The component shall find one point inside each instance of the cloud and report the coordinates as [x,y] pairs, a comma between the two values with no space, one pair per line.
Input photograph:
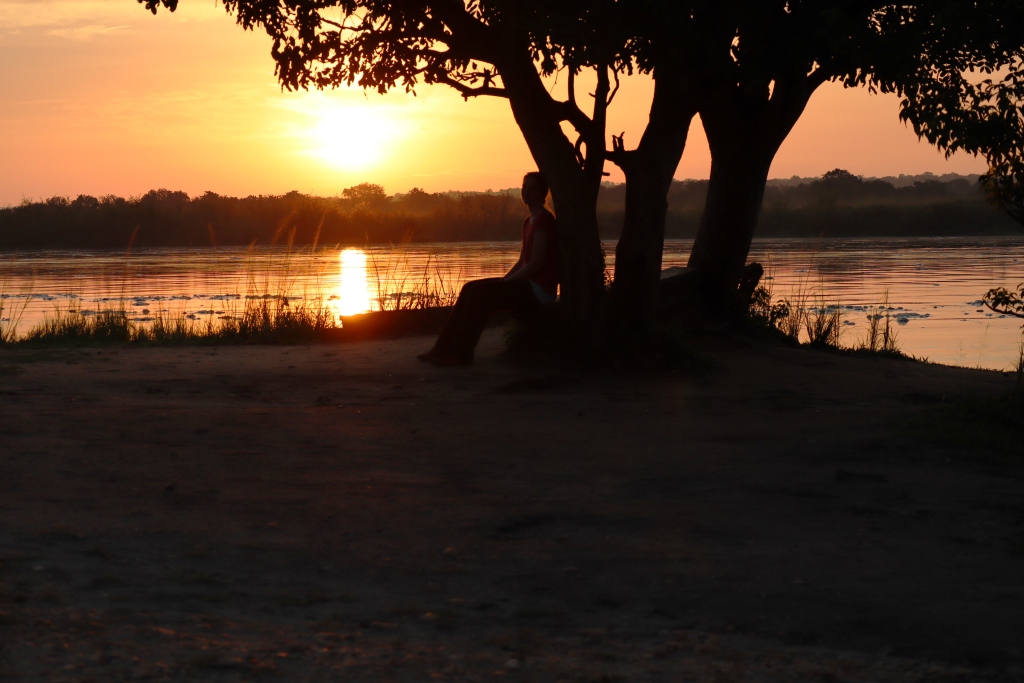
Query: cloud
[84,32]
[17,16]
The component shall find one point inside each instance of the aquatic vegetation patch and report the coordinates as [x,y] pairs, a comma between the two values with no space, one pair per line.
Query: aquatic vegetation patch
[259,321]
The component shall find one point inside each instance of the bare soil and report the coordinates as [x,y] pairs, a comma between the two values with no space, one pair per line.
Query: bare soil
[344,512]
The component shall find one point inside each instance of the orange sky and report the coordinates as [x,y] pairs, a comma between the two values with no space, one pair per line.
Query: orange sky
[99,97]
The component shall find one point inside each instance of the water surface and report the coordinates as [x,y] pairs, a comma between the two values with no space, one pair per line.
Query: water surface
[934,285]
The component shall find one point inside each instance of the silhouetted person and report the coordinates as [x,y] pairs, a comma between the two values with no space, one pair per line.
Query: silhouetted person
[531,284]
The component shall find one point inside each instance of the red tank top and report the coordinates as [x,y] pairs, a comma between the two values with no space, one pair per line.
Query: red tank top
[547,277]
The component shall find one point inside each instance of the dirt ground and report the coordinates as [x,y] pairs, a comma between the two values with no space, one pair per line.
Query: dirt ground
[344,512]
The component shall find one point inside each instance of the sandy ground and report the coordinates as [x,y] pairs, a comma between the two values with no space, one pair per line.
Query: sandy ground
[344,512]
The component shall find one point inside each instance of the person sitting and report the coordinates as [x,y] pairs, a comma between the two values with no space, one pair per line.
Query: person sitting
[531,284]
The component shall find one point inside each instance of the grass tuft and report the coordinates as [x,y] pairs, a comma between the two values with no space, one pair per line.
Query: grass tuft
[10,316]
[262,320]
[823,325]
[881,336]
[70,325]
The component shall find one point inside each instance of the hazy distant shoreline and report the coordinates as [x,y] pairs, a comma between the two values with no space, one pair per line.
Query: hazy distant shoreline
[844,206]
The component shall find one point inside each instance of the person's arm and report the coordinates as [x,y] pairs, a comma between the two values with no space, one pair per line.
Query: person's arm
[524,272]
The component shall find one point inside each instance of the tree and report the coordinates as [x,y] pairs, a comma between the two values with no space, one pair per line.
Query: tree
[750,67]
[920,50]
[649,170]
[366,195]
[967,93]
[501,48]
[1005,189]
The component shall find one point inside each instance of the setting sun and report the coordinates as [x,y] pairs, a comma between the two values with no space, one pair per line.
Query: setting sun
[352,137]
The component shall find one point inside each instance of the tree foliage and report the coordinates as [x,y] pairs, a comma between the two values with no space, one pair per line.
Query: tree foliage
[1003,301]
[383,45]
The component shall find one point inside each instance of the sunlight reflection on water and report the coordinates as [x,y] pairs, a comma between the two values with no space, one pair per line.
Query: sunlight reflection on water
[934,284]
[353,287]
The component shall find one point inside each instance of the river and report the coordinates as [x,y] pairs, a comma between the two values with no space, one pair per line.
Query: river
[933,285]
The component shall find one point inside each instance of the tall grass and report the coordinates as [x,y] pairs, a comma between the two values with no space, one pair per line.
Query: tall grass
[880,336]
[820,322]
[807,315]
[10,315]
[823,324]
[262,320]
[69,324]
[793,322]
[266,316]
[273,310]
[433,287]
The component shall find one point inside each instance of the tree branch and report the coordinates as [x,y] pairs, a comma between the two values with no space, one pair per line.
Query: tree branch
[568,111]
[817,77]
[618,154]
[468,91]
[611,96]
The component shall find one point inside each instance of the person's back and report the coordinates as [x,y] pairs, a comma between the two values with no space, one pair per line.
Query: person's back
[545,279]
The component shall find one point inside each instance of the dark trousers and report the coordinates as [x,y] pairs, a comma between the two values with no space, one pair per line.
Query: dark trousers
[477,300]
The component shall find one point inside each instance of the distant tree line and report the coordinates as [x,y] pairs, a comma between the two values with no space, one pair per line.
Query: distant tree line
[837,205]
[162,218]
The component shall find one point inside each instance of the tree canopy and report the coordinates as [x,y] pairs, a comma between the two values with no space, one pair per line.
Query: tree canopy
[752,65]
[747,66]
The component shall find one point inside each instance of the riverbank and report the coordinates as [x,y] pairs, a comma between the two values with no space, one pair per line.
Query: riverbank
[303,512]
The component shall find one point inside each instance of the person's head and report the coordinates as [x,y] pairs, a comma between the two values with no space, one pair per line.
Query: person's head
[535,188]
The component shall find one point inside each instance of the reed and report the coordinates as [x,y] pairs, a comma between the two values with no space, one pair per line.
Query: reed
[792,322]
[267,314]
[880,336]
[434,287]
[10,316]
[68,324]
[263,320]
[823,324]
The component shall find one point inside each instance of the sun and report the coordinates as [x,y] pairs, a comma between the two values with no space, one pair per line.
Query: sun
[353,138]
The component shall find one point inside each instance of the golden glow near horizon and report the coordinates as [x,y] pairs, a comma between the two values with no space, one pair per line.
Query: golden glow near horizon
[353,290]
[350,136]
[101,98]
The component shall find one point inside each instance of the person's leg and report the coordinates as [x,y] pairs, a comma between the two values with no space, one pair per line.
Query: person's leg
[444,340]
[526,305]
[486,298]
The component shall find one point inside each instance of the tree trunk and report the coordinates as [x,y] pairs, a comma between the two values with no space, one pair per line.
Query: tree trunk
[739,173]
[744,133]
[649,170]
[574,191]
[581,267]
